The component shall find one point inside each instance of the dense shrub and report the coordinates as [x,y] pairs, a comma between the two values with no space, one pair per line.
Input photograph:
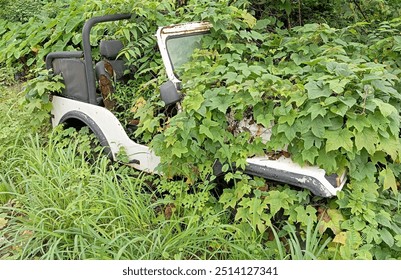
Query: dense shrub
[333,95]
[20,10]
[336,13]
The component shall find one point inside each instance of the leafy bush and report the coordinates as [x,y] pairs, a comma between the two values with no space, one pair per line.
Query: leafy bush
[338,13]
[19,10]
[332,95]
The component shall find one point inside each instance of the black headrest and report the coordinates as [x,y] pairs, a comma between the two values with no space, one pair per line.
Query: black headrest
[110,49]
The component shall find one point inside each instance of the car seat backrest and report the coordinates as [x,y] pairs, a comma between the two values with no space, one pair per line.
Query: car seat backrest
[74,77]
[109,50]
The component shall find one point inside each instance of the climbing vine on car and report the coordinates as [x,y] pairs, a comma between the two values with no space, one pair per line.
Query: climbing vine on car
[331,97]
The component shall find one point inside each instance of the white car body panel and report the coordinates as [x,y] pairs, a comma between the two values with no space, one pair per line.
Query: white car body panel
[175,30]
[300,175]
[112,129]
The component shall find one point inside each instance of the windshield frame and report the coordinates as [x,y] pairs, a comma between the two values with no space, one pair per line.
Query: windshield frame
[174,31]
[170,52]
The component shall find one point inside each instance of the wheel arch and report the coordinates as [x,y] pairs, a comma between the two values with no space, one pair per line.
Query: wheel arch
[78,119]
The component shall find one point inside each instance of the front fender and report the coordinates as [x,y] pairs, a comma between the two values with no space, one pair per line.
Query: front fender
[107,128]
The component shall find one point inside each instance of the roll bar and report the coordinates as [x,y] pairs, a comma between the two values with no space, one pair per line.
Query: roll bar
[90,73]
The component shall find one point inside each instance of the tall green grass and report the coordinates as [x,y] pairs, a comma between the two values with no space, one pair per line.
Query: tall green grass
[60,200]
[72,209]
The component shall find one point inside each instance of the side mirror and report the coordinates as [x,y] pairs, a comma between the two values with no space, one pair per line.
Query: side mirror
[169,94]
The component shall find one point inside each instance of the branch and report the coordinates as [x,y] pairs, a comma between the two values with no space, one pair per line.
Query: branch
[360,9]
[300,12]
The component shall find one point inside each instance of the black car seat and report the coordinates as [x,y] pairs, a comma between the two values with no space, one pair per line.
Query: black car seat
[71,67]
[109,70]
[109,51]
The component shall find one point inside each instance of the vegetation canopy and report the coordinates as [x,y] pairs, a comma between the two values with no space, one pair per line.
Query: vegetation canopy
[327,79]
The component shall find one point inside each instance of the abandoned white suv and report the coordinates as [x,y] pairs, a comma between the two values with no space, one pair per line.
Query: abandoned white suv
[84,102]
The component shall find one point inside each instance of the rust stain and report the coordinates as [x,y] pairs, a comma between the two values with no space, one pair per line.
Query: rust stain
[184,28]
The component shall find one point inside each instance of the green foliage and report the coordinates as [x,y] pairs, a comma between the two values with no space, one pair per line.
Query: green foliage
[308,249]
[20,10]
[331,93]
[64,207]
[37,99]
[338,13]
[324,90]
[25,45]
[13,118]
[333,96]
[7,76]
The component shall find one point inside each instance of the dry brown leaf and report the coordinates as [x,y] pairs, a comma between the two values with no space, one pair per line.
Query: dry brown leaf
[168,211]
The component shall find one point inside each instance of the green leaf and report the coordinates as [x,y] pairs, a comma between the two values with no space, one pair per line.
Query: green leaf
[390,146]
[384,86]
[249,19]
[340,109]
[377,120]
[372,234]
[242,189]
[359,225]
[256,208]
[358,121]
[230,77]
[327,161]
[310,154]
[332,219]
[385,108]
[288,118]
[316,110]
[222,103]
[389,180]
[367,139]
[178,149]
[340,69]
[384,218]
[263,115]
[349,101]
[360,169]
[206,131]
[193,102]
[338,85]
[318,128]
[277,200]
[298,99]
[305,215]
[317,89]
[310,140]
[337,139]
[228,199]
[387,237]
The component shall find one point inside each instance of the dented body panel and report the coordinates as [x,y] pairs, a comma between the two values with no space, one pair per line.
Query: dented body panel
[284,170]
